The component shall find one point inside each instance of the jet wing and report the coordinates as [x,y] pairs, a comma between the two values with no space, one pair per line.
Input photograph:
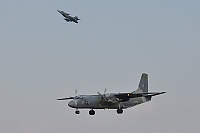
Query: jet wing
[64,13]
[67,19]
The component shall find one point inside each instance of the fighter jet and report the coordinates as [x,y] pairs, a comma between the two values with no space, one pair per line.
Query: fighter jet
[69,18]
[118,101]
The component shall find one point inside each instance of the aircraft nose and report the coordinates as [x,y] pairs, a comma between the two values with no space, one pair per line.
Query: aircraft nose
[71,104]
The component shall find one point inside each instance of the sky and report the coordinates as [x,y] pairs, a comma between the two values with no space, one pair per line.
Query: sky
[43,58]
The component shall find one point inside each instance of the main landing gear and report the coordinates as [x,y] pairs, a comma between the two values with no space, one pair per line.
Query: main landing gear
[91,112]
[119,111]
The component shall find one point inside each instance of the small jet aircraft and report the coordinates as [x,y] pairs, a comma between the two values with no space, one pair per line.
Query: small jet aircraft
[69,18]
[117,101]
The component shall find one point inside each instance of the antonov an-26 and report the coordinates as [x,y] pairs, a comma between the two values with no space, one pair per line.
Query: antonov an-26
[118,101]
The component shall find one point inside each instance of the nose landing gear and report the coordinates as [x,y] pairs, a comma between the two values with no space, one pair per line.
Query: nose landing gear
[77,112]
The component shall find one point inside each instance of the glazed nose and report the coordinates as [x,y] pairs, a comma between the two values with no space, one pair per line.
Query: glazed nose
[71,104]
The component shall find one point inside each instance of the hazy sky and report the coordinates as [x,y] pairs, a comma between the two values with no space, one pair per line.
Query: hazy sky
[43,58]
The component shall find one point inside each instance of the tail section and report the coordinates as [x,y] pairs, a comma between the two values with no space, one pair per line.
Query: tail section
[142,90]
[76,18]
[143,85]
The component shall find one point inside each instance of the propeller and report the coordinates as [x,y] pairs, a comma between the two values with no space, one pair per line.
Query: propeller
[102,96]
[107,98]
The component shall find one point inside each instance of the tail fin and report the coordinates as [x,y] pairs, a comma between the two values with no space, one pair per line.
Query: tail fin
[143,85]
[76,18]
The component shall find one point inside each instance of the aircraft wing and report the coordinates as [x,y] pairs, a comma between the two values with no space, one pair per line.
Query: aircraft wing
[126,96]
[64,13]
[66,98]
[67,19]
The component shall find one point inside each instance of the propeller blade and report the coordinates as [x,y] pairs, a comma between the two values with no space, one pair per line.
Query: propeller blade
[75,101]
[76,92]
[100,94]
[103,96]
[105,91]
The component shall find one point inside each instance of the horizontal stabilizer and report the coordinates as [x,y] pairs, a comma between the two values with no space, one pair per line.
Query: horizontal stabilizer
[126,96]
[156,93]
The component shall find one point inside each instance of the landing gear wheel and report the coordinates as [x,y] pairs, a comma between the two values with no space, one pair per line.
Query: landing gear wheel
[91,112]
[119,111]
[77,112]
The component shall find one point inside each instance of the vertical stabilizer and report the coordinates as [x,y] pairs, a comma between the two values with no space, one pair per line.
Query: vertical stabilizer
[143,85]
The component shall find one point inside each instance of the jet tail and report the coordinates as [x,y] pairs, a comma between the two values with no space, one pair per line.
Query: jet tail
[143,84]
[76,18]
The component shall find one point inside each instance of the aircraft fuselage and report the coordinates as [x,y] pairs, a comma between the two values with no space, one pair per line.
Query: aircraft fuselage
[69,18]
[96,102]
